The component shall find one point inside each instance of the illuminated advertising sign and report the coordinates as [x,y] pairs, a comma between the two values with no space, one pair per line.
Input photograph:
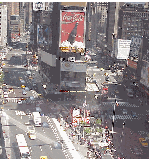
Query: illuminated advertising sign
[72,31]
[135,45]
[44,36]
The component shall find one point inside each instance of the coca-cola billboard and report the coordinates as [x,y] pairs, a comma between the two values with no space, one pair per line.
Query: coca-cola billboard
[72,31]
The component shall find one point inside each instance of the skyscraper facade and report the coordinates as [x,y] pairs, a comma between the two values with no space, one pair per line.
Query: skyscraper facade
[112,24]
[3,25]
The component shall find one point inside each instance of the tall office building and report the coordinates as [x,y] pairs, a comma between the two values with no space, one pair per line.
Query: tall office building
[102,8]
[3,25]
[60,42]
[112,24]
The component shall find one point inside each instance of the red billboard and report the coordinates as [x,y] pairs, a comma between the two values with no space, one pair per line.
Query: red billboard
[72,31]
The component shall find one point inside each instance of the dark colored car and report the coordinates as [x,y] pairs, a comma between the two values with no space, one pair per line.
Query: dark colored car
[133,114]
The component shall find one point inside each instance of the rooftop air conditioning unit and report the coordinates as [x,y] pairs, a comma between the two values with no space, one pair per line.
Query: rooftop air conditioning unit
[71,59]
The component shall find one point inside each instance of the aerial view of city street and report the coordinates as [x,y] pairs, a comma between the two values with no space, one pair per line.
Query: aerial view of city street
[74,80]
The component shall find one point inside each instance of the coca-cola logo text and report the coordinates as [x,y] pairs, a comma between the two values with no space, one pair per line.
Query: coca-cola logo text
[73,18]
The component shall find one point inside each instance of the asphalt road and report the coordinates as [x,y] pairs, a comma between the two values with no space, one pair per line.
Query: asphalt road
[44,135]
[136,126]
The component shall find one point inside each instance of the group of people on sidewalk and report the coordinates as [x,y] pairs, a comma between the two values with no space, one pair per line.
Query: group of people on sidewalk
[92,150]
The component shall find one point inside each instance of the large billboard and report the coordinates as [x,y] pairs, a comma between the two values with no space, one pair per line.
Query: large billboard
[72,31]
[136,42]
[44,36]
[123,49]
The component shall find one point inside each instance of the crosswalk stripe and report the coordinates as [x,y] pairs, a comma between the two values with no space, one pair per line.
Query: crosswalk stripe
[126,104]
[123,117]
[20,113]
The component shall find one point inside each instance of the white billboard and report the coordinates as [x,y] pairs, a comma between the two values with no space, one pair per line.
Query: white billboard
[123,49]
[38,6]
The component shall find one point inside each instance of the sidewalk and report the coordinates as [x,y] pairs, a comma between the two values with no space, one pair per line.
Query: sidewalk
[74,145]
[76,150]
[5,140]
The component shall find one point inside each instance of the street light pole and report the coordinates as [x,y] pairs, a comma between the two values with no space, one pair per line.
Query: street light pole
[113,116]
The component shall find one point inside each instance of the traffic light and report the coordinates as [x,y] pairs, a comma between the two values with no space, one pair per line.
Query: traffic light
[112,123]
[124,123]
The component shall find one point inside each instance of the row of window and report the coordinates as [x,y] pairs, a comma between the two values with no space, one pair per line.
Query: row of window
[135,14]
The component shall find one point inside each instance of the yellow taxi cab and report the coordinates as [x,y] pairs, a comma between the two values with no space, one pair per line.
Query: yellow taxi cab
[23,86]
[106,74]
[22,98]
[143,142]
[43,157]
[94,74]
[40,95]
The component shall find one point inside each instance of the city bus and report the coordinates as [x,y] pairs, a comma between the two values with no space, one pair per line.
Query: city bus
[23,148]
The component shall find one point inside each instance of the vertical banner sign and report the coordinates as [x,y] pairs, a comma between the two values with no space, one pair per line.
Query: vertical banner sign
[135,45]
[72,31]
